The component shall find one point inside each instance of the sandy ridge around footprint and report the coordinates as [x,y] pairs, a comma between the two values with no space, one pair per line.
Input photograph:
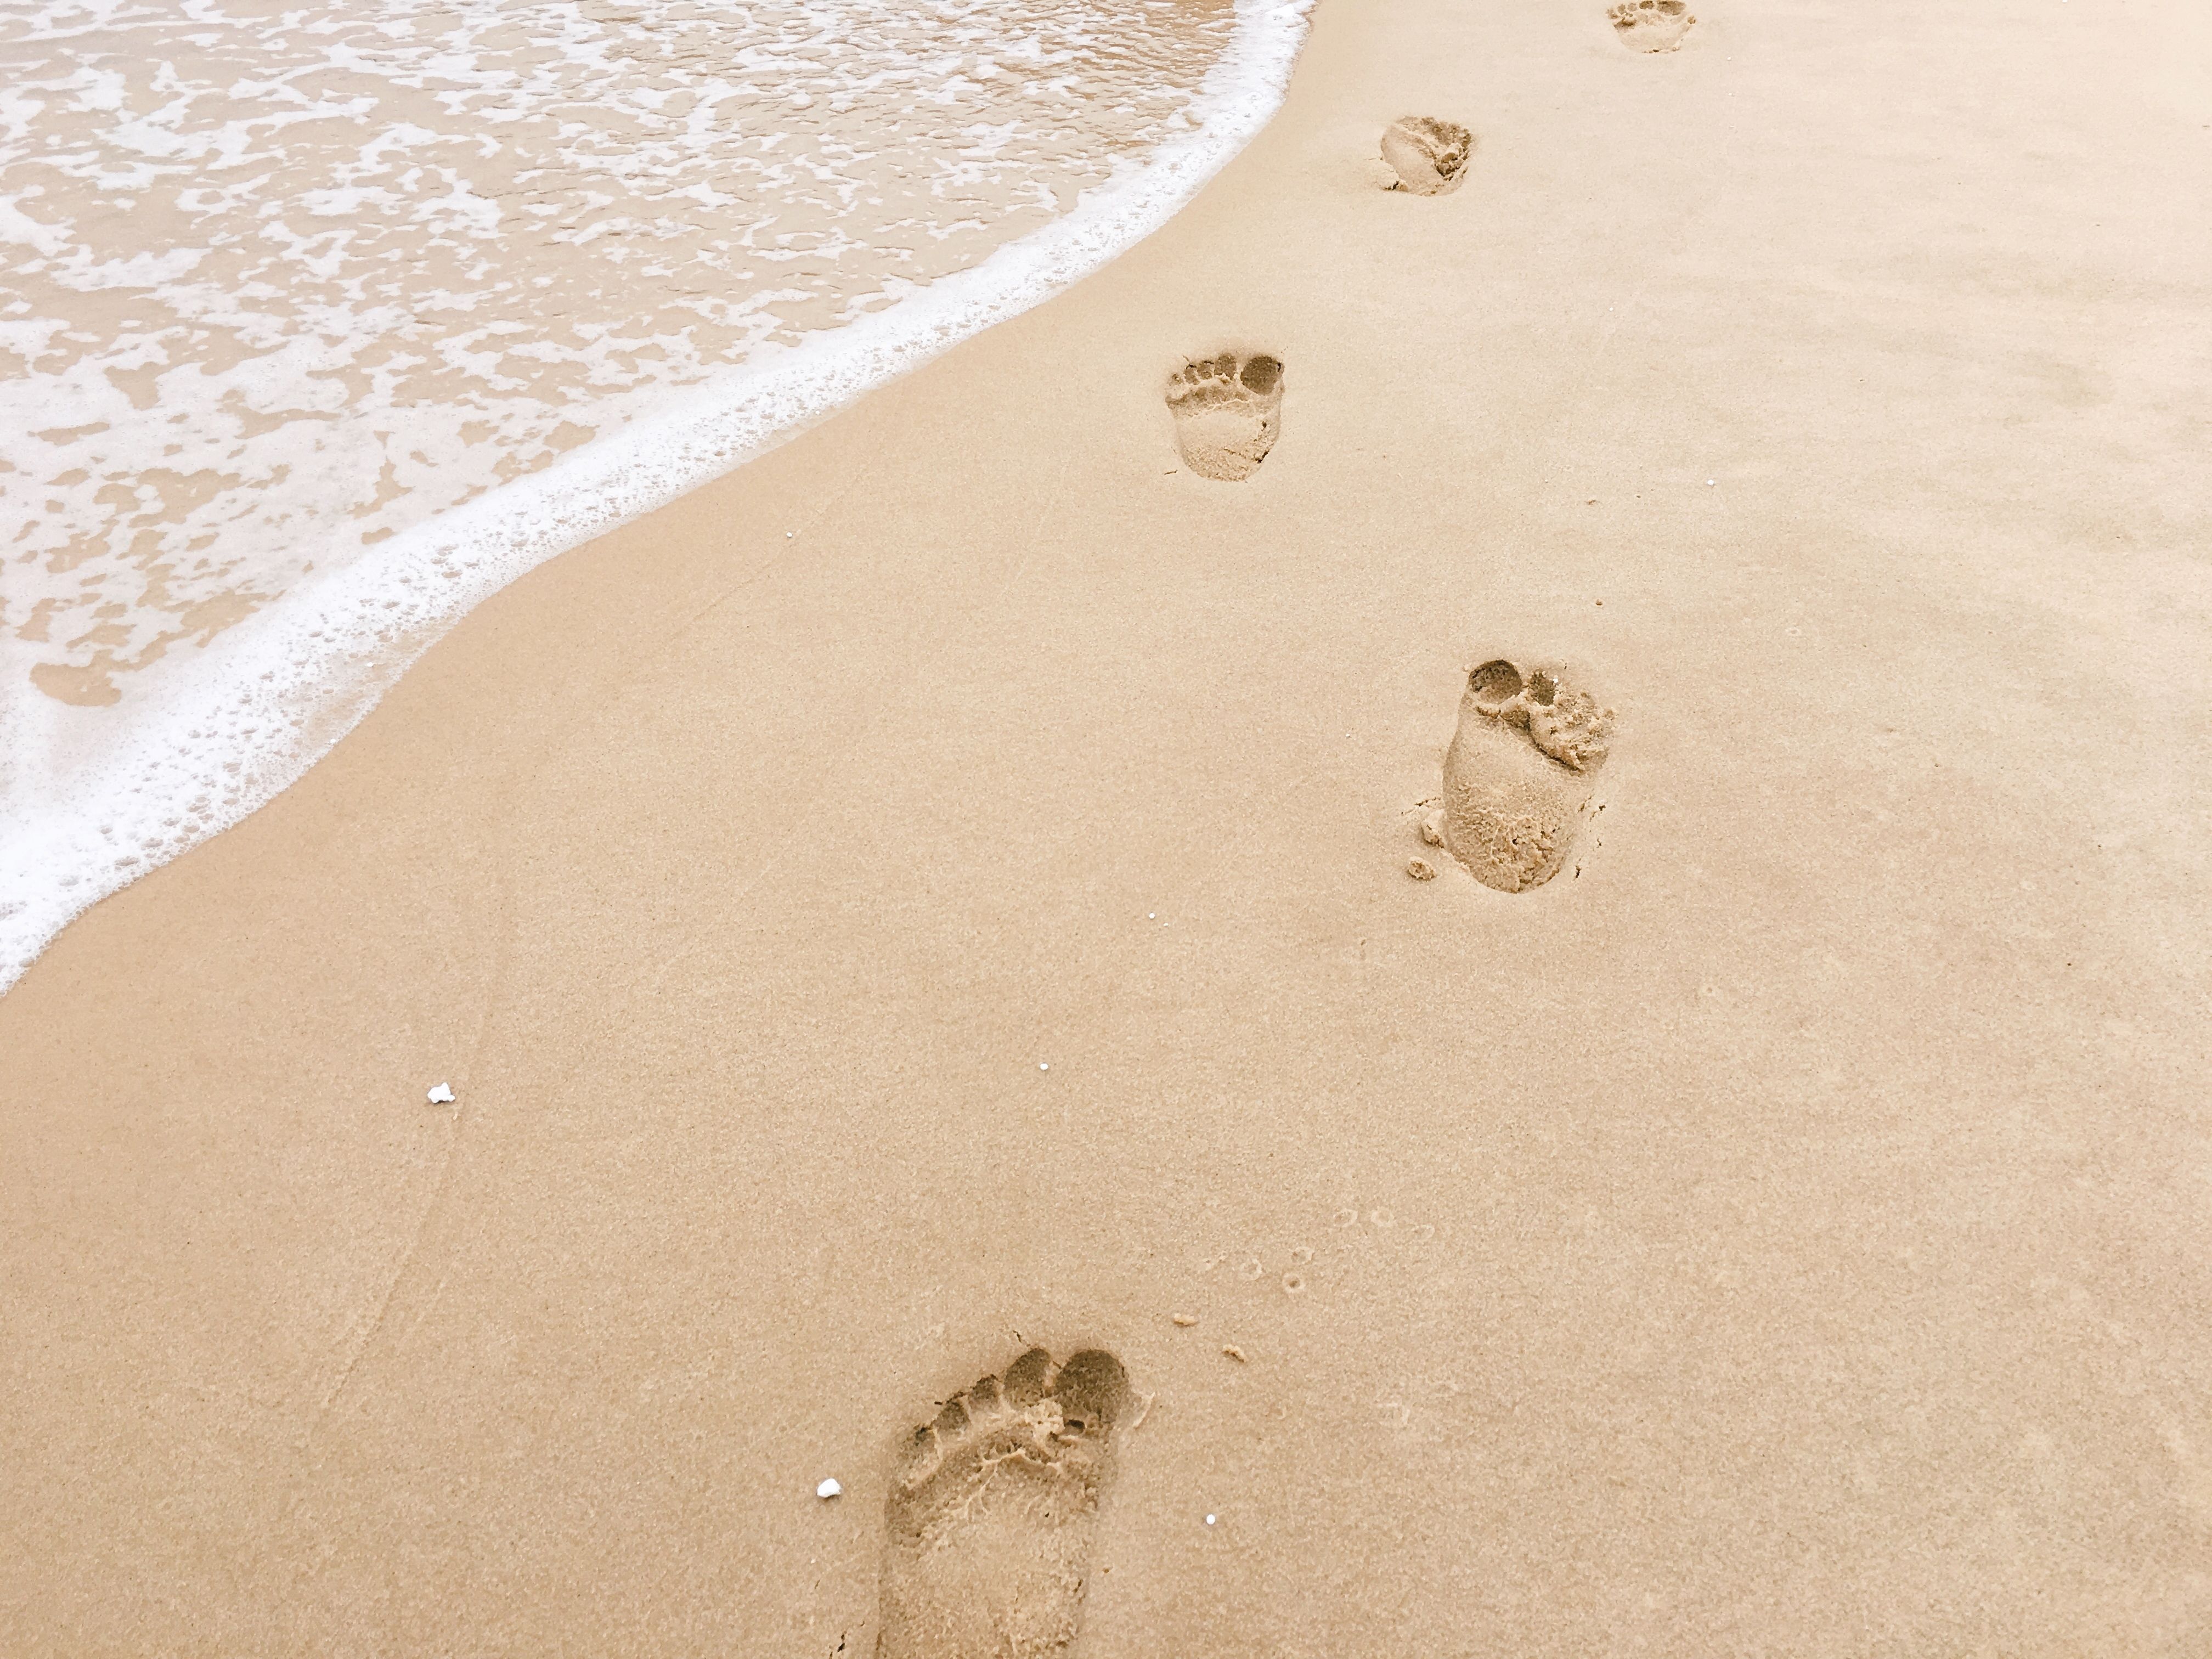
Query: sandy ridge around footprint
[1517,777]
[1429,155]
[1650,25]
[1228,413]
[990,1522]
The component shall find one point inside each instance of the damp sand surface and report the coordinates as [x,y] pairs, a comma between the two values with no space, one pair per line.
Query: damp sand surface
[940,893]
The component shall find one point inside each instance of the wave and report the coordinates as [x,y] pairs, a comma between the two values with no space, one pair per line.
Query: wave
[240,722]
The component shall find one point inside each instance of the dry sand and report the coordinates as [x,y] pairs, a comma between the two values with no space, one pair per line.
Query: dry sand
[1786,1235]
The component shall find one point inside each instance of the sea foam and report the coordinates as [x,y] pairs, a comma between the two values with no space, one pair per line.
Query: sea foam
[88,802]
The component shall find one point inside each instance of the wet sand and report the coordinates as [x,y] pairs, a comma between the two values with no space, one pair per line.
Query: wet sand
[943,889]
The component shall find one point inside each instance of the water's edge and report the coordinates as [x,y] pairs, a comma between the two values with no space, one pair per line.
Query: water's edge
[242,722]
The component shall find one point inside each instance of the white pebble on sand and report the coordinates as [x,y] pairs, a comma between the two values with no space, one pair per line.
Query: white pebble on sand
[827,1489]
[443,1094]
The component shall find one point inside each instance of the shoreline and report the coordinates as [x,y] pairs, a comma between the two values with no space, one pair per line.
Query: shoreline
[310,663]
[980,919]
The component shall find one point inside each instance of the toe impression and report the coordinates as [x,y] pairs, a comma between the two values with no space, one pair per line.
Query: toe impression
[989,1523]
[1429,155]
[1228,413]
[1516,786]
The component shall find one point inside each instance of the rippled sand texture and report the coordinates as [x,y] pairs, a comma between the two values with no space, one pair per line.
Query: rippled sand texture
[277,286]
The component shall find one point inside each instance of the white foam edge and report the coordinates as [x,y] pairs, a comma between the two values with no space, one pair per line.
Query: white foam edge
[296,676]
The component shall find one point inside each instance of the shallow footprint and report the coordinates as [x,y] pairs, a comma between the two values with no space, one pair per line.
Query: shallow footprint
[1651,25]
[1428,155]
[990,1521]
[1517,775]
[1228,413]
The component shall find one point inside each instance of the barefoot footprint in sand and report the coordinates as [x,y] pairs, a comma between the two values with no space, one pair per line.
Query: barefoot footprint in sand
[1228,413]
[1428,155]
[990,1521]
[1651,25]
[1517,776]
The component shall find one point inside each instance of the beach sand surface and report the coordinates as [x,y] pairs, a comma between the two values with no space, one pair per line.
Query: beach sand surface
[943,889]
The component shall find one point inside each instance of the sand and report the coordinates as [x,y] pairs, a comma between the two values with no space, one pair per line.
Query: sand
[942,890]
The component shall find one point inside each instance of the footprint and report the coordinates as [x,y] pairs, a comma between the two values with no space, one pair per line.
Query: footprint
[1517,775]
[1228,414]
[1429,157]
[990,1521]
[1651,25]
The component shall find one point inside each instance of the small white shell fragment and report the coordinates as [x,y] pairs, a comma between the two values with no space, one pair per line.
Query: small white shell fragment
[443,1094]
[827,1489]
[1210,1520]
[1044,1065]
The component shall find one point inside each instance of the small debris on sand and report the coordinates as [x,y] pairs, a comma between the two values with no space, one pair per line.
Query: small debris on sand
[1185,1319]
[827,1489]
[443,1094]
[1420,870]
[1235,1352]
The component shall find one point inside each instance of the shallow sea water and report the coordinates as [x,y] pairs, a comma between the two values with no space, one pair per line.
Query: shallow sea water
[283,287]
[285,280]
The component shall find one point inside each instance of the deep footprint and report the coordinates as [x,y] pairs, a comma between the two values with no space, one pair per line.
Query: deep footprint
[1228,413]
[1428,155]
[990,1522]
[1517,777]
[1651,25]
